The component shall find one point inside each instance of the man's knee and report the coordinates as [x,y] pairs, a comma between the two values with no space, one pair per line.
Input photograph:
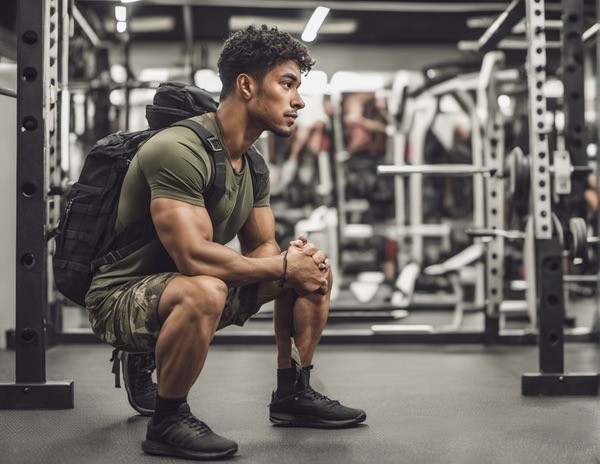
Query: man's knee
[201,297]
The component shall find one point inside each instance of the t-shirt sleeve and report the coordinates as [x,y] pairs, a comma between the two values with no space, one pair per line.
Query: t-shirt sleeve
[173,170]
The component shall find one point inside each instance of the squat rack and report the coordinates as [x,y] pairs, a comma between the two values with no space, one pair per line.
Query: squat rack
[552,378]
[37,59]
[37,63]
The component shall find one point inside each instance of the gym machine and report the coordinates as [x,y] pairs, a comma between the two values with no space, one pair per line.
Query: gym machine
[547,248]
[476,95]
[366,284]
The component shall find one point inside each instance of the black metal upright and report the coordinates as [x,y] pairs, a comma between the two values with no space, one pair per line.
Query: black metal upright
[36,107]
[551,379]
[574,102]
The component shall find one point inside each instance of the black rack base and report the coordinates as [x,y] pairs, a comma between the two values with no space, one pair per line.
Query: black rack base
[43,395]
[537,384]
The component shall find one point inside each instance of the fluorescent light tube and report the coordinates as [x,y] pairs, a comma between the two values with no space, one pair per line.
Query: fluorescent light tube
[314,23]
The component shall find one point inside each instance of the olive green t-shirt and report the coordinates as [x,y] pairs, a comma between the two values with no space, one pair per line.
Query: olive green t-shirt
[174,164]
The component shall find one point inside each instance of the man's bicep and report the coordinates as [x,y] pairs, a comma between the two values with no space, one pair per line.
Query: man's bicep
[180,227]
[258,229]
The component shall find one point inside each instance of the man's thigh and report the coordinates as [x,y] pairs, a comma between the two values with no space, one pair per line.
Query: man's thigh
[128,318]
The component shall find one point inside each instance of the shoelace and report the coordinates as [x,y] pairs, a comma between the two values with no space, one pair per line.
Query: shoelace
[318,396]
[196,424]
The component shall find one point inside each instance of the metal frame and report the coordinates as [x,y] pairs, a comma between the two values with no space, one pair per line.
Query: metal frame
[572,64]
[363,336]
[493,152]
[574,103]
[36,124]
[502,26]
[424,101]
[551,380]
[424,115]
[8,92]
[538,139]
[400,122]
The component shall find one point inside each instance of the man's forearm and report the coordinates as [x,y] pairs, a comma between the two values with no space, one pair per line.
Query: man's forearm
[264,250]
[232,268]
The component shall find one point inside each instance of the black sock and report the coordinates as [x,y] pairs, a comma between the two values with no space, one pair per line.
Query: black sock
[286,378]
[166,407]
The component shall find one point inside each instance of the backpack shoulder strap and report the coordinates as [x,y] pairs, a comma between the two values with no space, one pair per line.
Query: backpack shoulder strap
[214,193]
[258,170]
[213,146]
[132,238]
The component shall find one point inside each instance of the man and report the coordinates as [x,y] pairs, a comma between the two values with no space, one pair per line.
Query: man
[171,296]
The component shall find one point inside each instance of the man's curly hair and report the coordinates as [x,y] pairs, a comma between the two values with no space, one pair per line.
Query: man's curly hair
[255,51]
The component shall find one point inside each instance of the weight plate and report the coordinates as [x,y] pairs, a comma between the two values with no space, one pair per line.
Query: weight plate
[578,243]
[519,179]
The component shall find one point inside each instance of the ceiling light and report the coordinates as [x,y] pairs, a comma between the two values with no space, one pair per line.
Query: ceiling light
[348,81]
[208,80]
[118,73]
[314,23]
[120,13]
[504,101]
[144,24]
[121,26]
[117,97]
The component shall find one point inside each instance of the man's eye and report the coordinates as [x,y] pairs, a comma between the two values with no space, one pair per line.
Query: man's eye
[287,84]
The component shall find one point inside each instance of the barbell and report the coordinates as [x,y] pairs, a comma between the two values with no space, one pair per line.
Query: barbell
[517,170]
[577,239]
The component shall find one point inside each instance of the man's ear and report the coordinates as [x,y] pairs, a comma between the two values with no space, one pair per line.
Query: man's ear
[246,86]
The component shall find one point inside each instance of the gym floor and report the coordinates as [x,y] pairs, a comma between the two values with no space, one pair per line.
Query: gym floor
[425,404]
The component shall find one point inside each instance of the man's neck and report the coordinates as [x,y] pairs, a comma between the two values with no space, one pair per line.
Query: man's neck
[238,133]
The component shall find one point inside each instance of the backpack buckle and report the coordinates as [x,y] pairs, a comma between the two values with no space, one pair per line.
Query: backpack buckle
[215,143]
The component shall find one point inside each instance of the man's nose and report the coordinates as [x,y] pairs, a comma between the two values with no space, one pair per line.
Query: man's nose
[298,103]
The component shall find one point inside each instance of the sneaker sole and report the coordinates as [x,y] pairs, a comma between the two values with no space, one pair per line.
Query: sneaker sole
[289,420]
[162,449]
[142,411]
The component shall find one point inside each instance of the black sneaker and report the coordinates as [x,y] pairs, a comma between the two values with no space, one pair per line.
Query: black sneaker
[137,374]
[185,436]
[309,408]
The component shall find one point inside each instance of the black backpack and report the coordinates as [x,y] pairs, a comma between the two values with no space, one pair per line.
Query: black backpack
[84,237]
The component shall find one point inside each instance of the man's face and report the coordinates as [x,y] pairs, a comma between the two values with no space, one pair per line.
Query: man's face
[277,99]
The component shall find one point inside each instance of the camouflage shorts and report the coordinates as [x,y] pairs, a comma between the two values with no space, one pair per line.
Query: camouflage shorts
[126,317]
